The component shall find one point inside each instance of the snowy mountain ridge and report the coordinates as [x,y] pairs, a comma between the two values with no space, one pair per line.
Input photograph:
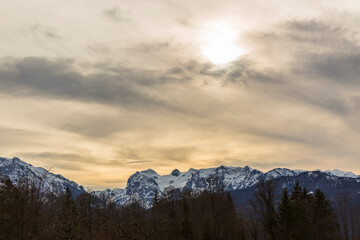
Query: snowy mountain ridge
[17,171]
[142,185]
[339,173]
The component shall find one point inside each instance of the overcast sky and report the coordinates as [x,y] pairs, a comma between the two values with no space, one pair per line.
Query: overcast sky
[97,90]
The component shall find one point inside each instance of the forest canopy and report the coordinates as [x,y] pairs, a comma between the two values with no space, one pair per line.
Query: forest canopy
[27,212]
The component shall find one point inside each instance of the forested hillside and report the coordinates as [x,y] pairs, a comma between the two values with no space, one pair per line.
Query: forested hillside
[26,212]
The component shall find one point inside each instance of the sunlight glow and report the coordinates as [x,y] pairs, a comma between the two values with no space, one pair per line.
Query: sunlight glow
[219,45]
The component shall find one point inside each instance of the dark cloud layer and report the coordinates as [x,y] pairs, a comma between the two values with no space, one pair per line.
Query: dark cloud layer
[340,67]
[141,89]
[31,77]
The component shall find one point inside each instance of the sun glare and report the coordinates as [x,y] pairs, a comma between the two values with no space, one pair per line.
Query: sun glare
[219,45]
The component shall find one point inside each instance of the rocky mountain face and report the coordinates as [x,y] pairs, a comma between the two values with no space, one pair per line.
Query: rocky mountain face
[19,171]
[142,185]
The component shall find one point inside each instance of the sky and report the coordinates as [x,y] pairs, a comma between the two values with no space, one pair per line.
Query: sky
[97,90]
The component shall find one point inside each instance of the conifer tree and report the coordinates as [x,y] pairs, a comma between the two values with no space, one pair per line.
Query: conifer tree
[301,226]
[67,217]
[285,217]
[324,222]
[156,198]
[230,221]
[307,216]
[186,226]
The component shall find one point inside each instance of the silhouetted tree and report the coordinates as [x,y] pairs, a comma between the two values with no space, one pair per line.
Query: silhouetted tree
[285,217]
[324,221]
[264,206]
[28,211]
[307,216]
[68,221]
[186,225]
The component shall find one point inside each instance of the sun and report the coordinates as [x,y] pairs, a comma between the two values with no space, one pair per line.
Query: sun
[219,44]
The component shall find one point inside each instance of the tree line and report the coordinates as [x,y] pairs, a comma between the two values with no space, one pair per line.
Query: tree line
[28,212]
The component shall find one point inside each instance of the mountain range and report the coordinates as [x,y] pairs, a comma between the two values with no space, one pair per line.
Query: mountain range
[142,185]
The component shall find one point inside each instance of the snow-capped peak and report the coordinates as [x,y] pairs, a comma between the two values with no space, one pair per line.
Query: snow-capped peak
[280,172]
[17,171]
[145,183]
[339,173]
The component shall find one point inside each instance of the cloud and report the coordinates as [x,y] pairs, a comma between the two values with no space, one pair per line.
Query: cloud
[59,79]
[67,167]
[247,72]
[306,55]
[336,66]
[116,13]
[98,48]
[167,154]
[60,157]
[11,136]
[44,30]
[131,154]
[153,46]
[92,127]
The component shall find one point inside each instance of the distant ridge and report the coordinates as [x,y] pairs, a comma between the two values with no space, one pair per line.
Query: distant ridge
[142,185]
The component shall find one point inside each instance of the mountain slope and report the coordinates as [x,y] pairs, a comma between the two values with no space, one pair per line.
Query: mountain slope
[333,186]
[17,171]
